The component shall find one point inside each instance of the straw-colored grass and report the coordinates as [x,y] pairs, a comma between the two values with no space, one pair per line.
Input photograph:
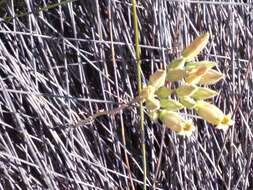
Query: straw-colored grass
[63,61]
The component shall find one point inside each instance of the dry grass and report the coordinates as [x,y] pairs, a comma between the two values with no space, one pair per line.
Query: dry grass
[57,67]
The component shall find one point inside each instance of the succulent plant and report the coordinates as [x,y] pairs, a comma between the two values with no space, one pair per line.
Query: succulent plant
[165,103]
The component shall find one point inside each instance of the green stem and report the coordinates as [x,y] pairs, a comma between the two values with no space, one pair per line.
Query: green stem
[52,6]
[137,51]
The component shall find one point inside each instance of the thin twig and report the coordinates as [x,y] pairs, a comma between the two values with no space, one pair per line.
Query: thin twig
[110,112]
[52,6]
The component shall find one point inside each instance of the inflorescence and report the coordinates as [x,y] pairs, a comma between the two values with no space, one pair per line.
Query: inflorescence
[191,79]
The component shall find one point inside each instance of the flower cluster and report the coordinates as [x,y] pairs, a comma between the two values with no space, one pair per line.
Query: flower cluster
[192,80]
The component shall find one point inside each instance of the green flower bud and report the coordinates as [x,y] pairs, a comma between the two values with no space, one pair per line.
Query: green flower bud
[196,65]
[157,79]
[186,90]
[195,47]
[152,104]
[187,101]
[203,93]
[164,92]
[176,64]
[211,77]
[170,104]
[175,75]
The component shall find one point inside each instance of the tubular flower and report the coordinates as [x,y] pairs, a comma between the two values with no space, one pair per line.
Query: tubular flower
[176,123]
[213,115]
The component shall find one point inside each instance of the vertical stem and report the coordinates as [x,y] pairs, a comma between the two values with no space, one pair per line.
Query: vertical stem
[137,51]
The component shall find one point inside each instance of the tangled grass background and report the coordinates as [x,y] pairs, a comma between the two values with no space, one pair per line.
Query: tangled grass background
[61,62]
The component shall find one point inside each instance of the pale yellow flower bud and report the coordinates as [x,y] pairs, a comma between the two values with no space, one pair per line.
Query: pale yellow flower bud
[211,77]
[176,123]
[195,47]
[185,90]
[170,104]
[147,92]
[203,93]
[152,104]
[213,115]
[195,76]
[157,79]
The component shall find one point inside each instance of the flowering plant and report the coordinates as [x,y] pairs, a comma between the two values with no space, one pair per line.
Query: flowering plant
[193,79]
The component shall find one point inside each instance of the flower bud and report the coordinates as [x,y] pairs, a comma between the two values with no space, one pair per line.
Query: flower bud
[175,75]
[176,64]
[147,92]
[152,104]
[203,93]
[213,115]
[187,101]
[195,76]
[186,90]
[164,92]
[176,123]
[211,77]
[195,65]
[170,104]
[195,47]
[157,79]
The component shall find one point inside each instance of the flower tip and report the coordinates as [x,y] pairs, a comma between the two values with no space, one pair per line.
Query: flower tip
[206,35]
[227,120]
[187,128]
[225,123]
